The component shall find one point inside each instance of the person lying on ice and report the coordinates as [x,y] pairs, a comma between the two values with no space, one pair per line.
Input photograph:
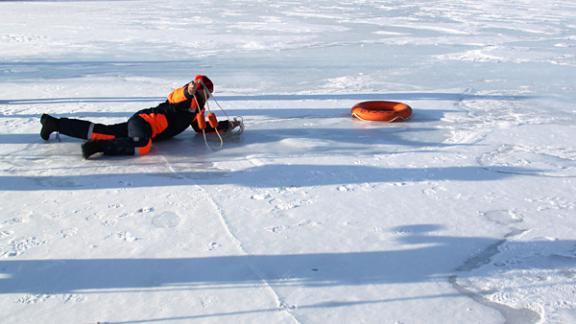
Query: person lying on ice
[135,136]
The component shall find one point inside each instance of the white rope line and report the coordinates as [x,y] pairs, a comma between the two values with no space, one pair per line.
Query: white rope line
[210,95]
[204,129]
[218,104]
[215,130]
[207,95]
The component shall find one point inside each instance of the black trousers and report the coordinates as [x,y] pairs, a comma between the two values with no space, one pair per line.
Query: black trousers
[128,138]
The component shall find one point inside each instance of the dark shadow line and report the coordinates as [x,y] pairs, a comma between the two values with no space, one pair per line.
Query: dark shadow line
[267,176]
[424,115]
[373,96]
[280,97]
[358,132]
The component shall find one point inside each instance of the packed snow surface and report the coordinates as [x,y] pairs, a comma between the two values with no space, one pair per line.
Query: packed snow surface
[464,214]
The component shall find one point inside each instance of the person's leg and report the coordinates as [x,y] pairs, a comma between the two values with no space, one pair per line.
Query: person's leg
[107,132]
[81,128]
[137,142]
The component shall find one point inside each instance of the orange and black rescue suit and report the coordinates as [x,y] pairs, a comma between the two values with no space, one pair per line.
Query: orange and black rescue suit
[135,136]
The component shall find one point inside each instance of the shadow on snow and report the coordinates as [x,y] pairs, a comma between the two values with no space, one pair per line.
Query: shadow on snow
[267,176]
[432,262]
[445,96]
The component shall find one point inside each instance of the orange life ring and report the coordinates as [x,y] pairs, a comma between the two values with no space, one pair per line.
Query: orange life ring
[388,111]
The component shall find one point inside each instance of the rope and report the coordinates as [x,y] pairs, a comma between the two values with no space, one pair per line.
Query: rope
[218,104]
[215,129]
[203,129]
[208,95]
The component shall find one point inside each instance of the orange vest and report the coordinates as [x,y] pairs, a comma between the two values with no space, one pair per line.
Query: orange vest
[158,122]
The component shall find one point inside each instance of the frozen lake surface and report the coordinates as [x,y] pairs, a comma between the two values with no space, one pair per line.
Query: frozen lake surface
[464,214]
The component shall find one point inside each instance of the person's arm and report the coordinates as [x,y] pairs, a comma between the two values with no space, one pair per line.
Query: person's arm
[223,126]
[180,94]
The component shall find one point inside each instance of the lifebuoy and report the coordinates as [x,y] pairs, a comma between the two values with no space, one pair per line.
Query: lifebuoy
[388,111]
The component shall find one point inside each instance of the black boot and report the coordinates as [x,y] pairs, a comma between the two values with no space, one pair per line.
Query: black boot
[119,146]
[49,125]
[90,148]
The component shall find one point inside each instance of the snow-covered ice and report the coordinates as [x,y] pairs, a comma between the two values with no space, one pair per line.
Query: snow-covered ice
[464,214]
